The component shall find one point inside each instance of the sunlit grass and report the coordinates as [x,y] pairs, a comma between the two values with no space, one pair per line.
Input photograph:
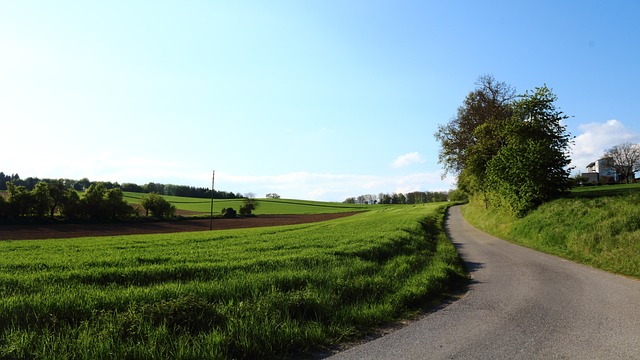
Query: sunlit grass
[598,230]
[252,293]
[267,206]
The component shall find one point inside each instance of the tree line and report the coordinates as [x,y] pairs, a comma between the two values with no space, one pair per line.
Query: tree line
[507,151]
[54,198]
[34,198]
[415,197]
[151,187]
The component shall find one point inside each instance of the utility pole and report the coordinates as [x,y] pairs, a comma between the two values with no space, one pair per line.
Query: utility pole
[213,177]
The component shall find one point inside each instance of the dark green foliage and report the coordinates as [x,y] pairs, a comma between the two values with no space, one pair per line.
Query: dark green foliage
[158,206]
[45,198]
[21,201]
[3,207]
[248,206]
[531,167]
[70,206]
[460,140]
[458,195]
[508,153]
[102,204]
[229,213]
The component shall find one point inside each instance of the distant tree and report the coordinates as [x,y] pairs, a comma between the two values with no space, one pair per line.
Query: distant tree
[20,202]
[3,181]
[249,205]
[350,200]
[130,187]
[41,199]
[93,202]
[82,184]
[272,196]
[398,198]
[384,198]
[458,195]
[70,206]
[626,159]
[157,205]
[115,205]
[57,191]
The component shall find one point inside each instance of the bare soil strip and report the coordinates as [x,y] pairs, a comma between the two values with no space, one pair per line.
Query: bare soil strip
[56,231]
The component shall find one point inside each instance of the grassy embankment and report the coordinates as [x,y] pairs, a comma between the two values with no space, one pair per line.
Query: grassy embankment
[267,206]
[251,293]
[597,226]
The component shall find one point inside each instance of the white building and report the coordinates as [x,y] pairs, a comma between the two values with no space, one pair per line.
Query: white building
[601,170]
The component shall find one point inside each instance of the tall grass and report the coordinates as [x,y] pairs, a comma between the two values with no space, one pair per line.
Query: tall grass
[601,231]
[253,293]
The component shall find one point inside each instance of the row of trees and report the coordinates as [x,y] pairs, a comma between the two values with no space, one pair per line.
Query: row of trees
[506,150]
[98,203]
[415,197]
[52,198]
[84,184]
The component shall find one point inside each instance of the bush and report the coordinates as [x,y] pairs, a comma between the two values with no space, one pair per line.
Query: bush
[228,213]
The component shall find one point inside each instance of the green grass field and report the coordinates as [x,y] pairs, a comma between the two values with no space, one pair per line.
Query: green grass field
[255,293]
[267,206]
[597,226]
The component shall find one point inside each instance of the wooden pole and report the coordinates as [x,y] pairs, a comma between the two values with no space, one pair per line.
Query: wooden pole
[212,182]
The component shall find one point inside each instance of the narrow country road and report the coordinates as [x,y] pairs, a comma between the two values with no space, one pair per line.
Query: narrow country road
[521,305]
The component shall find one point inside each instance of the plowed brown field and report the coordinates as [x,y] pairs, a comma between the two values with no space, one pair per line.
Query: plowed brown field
[53,231]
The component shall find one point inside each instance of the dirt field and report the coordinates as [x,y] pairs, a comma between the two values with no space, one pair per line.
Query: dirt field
[52,231]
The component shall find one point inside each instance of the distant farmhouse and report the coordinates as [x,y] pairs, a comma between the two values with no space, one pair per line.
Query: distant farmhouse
[601,171]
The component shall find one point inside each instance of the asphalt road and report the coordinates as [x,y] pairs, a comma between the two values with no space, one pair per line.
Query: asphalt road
[521,305]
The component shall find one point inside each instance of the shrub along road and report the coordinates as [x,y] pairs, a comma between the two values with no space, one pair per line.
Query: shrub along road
[521,304]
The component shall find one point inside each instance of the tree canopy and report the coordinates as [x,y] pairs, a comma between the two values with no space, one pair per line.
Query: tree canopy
[507,150]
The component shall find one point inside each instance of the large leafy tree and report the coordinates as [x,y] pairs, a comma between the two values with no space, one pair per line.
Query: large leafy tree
[487,104]
[626,159]
[532,166]
[469,139]
[512,152]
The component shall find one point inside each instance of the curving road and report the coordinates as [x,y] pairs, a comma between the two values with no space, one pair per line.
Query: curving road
[521,304]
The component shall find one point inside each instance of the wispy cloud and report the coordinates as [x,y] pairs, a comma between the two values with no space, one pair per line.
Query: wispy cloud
[407,159]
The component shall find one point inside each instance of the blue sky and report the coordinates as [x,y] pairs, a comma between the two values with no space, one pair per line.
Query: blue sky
[317,100]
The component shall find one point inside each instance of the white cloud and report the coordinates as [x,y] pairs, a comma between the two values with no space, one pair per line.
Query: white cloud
[597,137]
[407,159]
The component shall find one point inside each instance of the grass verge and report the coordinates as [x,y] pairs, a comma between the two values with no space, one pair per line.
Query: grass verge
[254,293]
[601,231]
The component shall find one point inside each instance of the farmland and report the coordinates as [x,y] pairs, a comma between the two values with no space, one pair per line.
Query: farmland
[267,206]
[261,292]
